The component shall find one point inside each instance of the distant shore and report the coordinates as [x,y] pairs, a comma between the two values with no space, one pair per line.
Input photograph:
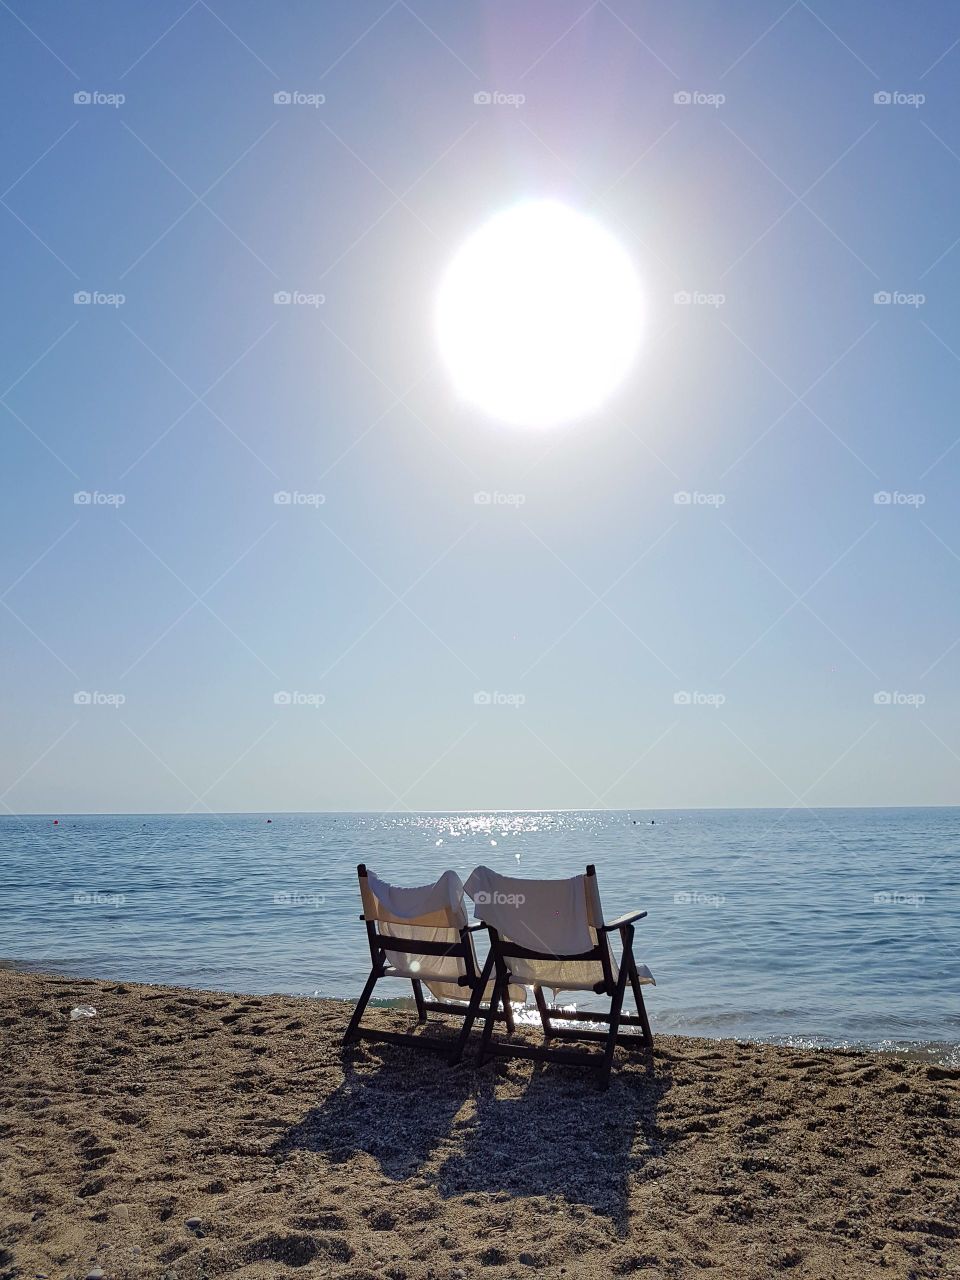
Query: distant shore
[181,1133]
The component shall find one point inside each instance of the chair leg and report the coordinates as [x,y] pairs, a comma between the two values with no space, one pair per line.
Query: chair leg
[508,1010]
[351,1031]
[472,1010]
[641,1007]
[488,1024]
[418,997]
[616,1005]
[544,1012]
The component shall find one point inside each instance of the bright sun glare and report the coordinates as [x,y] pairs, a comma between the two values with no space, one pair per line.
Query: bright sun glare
[539,315]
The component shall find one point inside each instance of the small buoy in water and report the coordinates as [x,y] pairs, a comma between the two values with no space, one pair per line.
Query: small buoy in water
[269,819]
[56,822]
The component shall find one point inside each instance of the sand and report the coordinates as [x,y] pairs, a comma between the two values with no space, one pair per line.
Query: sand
[187,1134]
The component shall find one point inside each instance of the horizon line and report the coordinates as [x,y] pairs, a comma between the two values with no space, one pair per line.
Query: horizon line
[256,813]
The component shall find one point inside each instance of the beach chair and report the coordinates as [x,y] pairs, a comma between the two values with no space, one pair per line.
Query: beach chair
[551,933]
[423,936]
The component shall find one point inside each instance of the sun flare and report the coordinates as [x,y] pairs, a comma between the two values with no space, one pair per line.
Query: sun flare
[539,315]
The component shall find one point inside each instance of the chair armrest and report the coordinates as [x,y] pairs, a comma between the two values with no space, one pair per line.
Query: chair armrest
[622,921]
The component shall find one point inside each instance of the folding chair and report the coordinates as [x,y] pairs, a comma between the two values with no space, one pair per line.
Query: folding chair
[423,935]
[551,933]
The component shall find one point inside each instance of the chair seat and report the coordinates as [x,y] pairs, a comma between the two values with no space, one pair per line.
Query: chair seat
[441,986]
[569,975]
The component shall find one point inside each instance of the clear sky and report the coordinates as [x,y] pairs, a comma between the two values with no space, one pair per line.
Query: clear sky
[644,651]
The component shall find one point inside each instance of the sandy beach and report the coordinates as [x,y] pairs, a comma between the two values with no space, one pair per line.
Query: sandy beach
[191,1134]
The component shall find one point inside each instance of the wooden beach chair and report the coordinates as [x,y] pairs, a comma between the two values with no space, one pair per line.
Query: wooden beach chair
[423,936]
[551,933]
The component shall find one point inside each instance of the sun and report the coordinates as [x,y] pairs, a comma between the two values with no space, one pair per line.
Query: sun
[539,316]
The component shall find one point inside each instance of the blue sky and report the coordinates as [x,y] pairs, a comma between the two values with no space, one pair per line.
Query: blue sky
[730,650]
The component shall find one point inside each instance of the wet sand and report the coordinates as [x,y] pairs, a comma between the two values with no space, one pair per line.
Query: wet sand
[187,1134]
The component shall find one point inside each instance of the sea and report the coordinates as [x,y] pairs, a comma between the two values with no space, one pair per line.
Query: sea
[806,927]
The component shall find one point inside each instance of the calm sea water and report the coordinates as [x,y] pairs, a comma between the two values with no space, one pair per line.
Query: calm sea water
[803,926]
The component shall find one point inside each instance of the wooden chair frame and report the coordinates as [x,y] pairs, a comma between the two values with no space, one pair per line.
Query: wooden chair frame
[473,981]
[503,951]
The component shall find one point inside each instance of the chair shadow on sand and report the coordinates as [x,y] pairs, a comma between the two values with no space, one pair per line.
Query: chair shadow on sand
[558,1136]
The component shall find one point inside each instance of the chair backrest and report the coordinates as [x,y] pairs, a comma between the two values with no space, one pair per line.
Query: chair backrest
[553,917]
[549,930]
[426,926]
[436,906]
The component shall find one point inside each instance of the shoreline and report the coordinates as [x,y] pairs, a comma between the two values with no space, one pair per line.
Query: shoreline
[942,1053]
[174,1105]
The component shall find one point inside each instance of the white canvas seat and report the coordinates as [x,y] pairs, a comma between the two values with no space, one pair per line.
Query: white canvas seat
[422,935]
[551,933]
